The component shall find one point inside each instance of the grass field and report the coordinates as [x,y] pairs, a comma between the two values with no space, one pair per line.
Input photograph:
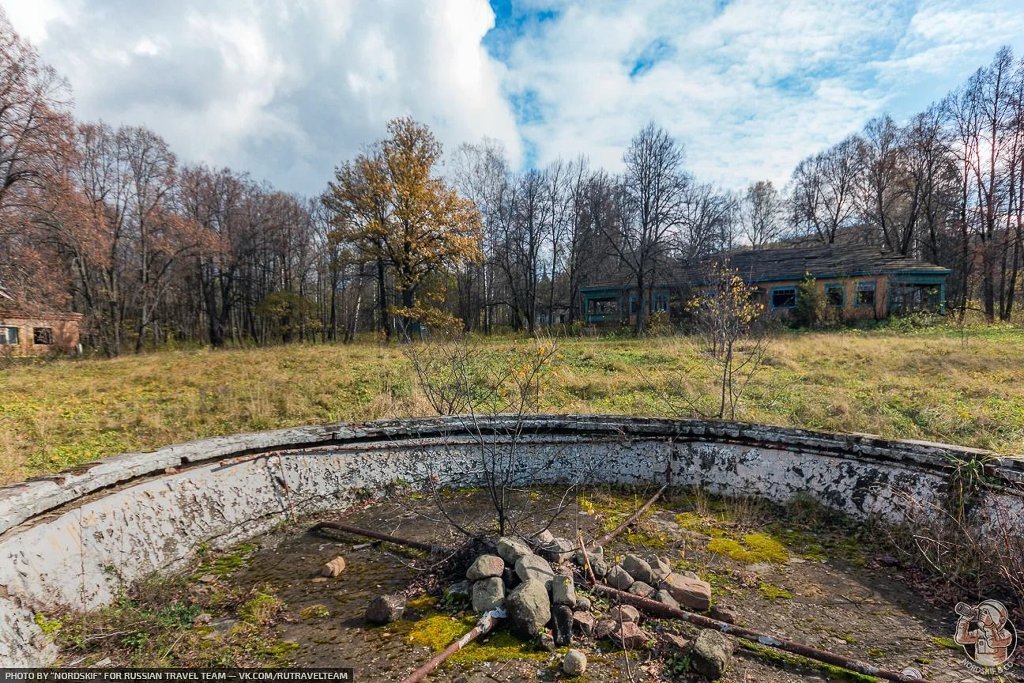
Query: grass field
[929,384]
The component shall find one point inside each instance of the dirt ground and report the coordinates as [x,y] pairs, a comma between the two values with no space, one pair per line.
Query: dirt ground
[825,591]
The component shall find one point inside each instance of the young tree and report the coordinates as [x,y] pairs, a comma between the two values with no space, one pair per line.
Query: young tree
[761,214]
[401,215]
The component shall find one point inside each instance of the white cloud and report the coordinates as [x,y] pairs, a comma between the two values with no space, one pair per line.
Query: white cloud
[281,88]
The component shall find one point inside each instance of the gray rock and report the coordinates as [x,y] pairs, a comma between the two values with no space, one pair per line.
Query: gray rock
[558,550]
[584,623]
[458,591]
[574,663]
[544,538]
[630,636]
[724,613]
[624,613]
[665,598]
[661,568]
[711,654]
[546,642]
[599,567]
[485,567]
[690,575]
[528,608]
[642,589]
[604,628]
[677,641]
[563,592]
[639,569]
[384,609]
[534,567]
[619,578]
[511,549]
[563,625]
[583,603]
[693,593]
[488,594]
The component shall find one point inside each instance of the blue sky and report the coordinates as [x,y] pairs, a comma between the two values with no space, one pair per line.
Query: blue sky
[286,89]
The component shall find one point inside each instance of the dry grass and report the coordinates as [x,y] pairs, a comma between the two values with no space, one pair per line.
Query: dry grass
[925,385]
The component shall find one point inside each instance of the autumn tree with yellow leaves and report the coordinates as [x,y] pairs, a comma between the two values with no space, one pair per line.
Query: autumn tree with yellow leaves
[411,224]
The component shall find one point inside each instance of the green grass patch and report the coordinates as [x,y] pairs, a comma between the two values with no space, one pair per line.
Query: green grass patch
[438,631]
[786,660]
[751,549]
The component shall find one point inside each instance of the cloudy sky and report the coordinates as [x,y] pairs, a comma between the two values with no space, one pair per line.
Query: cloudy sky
[286,89]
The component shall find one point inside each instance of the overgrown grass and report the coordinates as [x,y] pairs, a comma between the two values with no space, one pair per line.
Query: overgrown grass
[931,383]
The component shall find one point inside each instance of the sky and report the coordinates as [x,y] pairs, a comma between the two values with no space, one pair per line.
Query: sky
[288,89]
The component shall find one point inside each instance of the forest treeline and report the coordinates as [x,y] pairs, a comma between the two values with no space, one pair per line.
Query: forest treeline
[108,222]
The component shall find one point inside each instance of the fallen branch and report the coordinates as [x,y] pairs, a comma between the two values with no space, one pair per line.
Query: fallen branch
[486,623]
[661,610]
[632,519]
[356,531]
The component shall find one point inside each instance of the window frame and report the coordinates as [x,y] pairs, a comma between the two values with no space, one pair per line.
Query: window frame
[791,288]
[5,339]
[48,333]
[864,286]
[835,287]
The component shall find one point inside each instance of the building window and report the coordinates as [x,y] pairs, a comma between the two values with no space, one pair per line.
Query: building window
[8,336]
[42,335]
[865,294]
[660,302]
[834,294]
[603,306]
[784,297]
[633,304]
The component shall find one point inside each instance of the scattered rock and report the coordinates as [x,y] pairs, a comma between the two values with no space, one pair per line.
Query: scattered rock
[711,654]
[665,598]
[488,594]
[563,625]
[624,613]
[583,603]
[693,593]
[223,625]
[660,567]
[639,569]
[534,567]
[563,592]
[688,574]
[384,609]
[212,578]
[485,567]
[546,642]
[574,663]
[604,628]
[642,589]
[528,608]
[558,550]
[630,636]
[599,567]
[544,538]
[458,592]
[333,568]
[511,549]
[724,613]
[619,578]
[584,623]
[677,641]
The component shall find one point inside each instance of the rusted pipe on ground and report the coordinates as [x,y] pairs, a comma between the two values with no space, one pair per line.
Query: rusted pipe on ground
[658,609]
[635,516]
[486,623]
[348,529]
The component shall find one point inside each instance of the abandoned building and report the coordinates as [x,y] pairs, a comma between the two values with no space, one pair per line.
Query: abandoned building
[858,282]
[36,333]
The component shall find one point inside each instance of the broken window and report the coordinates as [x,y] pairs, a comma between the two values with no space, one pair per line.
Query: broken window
[42,335]
[865,294]
[8,336]
[834,294]
[784,297]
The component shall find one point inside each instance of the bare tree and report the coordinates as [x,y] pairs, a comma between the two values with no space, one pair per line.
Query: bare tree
[761,214]
[822,199]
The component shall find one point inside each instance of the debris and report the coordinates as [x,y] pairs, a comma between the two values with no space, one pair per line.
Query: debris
[711,654]
[484,567]
[333,568]
[574,663]
[488,594]
[384,609]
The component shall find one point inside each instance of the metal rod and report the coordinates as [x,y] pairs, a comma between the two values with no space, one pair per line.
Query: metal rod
[487,622]
[635,516]
[660,610]
[348,529]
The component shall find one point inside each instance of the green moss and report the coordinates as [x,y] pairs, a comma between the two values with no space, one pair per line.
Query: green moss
[421,602]
[438,631]
[755,547]
[228,563]
[787,660]
[942,641]
[315,612]
[48,626]
[875,652]
[773,592]
[261,608]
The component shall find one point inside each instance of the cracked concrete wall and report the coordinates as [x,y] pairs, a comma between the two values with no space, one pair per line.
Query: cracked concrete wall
[77,538]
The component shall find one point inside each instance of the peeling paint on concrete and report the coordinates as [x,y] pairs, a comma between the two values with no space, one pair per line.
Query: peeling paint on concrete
[77,538]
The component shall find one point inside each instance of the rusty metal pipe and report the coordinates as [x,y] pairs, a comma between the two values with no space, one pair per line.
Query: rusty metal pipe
[658,609]
[632,519]
[486,623]
[349,529]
